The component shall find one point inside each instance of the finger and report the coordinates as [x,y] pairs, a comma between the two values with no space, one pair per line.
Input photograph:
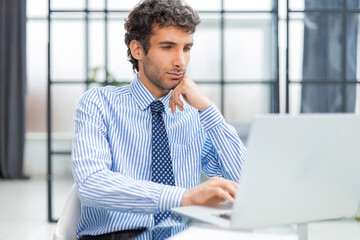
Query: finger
[173,105]
[170,103]
[224,195]
[229,182]
[176,98]
[231,190]
[234,186]
[227,185]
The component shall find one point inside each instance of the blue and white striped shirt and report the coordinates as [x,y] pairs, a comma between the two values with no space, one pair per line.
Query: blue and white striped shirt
[111,156]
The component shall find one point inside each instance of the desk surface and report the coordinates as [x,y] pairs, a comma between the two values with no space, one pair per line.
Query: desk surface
[183,228]
[334,230]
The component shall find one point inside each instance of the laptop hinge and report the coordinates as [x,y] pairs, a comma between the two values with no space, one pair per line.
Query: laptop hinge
[302,231]
[357,214]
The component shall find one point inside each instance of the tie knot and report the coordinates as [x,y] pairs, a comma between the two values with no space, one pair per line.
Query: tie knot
[157,106]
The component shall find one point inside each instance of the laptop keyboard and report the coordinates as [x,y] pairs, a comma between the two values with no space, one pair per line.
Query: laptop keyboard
[225,215]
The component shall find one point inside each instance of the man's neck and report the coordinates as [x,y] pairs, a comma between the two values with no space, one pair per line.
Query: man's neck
[154,90]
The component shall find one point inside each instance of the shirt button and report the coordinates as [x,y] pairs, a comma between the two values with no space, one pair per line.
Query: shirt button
[204,122]
[220,152]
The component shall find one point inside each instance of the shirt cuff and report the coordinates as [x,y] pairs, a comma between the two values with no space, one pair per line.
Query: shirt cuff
[171,197]
[210,117]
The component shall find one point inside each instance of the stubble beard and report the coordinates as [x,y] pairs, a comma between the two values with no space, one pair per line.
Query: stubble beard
[154,75]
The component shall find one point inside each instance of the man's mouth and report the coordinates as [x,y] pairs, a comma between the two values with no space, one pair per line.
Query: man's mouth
[176,75]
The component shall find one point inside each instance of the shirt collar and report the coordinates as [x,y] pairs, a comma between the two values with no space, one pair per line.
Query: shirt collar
[143,97]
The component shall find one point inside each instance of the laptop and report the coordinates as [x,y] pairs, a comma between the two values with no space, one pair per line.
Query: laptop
[298,169]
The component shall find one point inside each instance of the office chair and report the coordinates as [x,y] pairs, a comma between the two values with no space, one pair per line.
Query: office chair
[65,228]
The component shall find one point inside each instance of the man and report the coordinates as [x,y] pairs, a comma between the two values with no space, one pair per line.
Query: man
[127,179]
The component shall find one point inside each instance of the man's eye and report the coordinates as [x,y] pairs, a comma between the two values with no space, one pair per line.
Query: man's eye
[186,49]
[166,47]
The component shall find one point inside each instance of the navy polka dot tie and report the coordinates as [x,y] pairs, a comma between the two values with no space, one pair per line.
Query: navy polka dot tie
[161,166]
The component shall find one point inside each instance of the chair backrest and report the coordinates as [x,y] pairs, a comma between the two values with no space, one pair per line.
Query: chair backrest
[66,226]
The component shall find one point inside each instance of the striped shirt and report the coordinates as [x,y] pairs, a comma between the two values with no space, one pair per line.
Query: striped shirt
[111,156]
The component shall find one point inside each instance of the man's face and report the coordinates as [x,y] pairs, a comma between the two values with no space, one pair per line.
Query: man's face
[163,67]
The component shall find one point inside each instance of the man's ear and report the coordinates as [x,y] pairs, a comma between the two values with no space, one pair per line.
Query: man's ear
[136,49]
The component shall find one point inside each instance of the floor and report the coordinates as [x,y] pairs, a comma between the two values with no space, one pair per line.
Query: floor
[23,207]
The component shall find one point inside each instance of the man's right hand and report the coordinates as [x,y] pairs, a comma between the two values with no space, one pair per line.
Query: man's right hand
[191,94]
[213,191]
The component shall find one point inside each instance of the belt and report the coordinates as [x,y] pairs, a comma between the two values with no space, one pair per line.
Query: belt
[120,235]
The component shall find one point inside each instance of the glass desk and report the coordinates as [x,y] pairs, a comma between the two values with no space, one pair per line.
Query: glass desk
[178,228]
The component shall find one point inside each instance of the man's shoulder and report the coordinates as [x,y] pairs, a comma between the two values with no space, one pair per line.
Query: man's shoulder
[115,91]
[107,92]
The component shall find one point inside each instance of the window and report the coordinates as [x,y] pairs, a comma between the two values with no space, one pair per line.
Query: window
[266,56]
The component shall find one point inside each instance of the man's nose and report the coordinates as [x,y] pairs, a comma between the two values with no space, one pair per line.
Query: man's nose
[179,59]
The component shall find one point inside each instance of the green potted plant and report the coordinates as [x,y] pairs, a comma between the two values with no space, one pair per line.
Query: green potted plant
[109,80]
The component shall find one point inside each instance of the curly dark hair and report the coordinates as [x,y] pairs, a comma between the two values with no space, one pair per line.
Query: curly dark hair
[163,13]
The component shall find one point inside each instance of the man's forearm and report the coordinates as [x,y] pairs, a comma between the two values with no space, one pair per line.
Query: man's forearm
[224,151]
[115,192]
